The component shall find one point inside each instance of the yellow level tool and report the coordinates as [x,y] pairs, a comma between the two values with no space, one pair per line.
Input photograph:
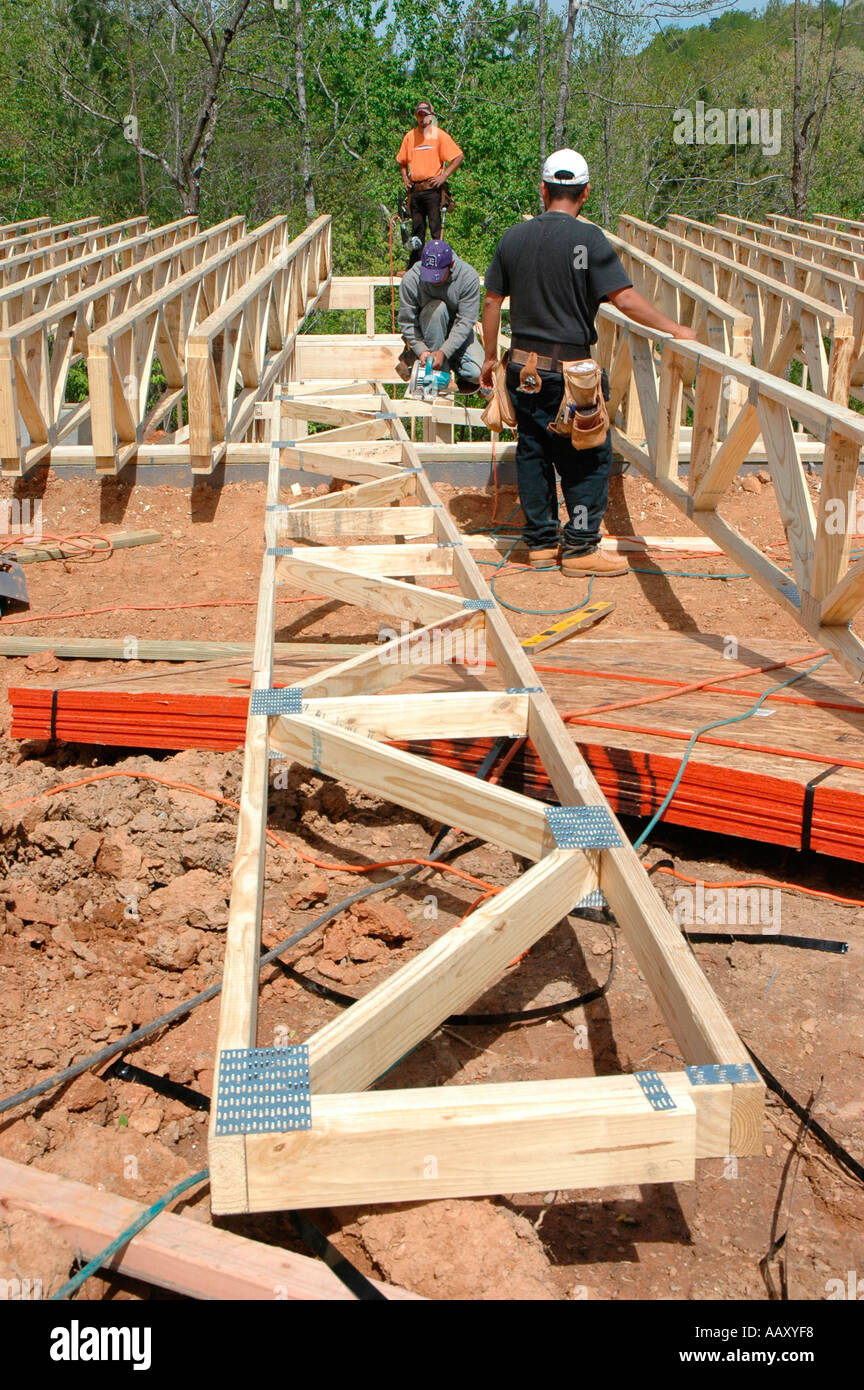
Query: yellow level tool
[577,621]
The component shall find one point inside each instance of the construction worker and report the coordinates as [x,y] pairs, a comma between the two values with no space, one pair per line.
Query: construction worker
[427,156]
[557,270]
[439,301]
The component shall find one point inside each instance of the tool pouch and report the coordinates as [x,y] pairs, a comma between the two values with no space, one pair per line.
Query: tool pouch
[529,377]
[499,413]
[582,413]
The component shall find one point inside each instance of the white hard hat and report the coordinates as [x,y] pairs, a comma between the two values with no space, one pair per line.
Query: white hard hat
[565,166]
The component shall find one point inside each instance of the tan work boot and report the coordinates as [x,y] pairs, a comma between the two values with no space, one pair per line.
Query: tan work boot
[582,566]
[544,559]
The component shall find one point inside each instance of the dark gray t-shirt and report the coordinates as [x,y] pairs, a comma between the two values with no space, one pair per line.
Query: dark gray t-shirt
[557,270]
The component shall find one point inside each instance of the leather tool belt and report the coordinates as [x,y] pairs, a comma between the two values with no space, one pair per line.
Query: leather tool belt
[560,353]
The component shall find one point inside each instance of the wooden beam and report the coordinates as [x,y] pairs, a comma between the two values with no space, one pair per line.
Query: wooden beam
[469,1141]
[499,816]
[387,561]
[364,358]
[844,600]
[370,494]
[238,1010]
[378,595]
[142,649]
[179,1253]
[359,1046]
[834,532]
[389,663]
[457,716]
[321,523]
[123,540]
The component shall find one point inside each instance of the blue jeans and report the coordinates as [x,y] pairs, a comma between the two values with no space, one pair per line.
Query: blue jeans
[467,360]
[543,457]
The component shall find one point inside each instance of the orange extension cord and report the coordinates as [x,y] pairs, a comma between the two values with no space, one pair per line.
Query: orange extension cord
[489,889]
[83,544]
[756,883]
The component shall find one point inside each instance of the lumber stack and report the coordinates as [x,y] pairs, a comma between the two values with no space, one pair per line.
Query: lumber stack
[787,777]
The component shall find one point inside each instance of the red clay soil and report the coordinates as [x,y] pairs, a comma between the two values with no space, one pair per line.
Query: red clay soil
[114,904]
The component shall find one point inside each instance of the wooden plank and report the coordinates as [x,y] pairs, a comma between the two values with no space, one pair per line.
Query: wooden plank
[379,595]
[179,1253]
[790,488]
[321,523]
[498,816]
[361,1044]
[706,414]
[370,494]
[335,464]
[669,417]
[388,664]
[143,649]
[844,600]
[833,540]
[473,1141]
[365,358]
[721,470]
[645,377]
[121,541]
[456,716]
[238,1011]
[390,561]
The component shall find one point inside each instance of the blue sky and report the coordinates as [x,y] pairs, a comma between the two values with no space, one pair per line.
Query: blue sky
[720,8]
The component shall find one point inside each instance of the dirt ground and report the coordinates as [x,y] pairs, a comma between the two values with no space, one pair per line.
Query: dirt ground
[114,905]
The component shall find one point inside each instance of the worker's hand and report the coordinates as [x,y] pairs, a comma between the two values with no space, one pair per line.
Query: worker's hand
[437,359]
[689,334]
[437,179]
[486,371]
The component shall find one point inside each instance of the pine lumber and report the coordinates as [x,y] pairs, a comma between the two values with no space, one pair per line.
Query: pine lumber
[185,1255]
[123,540]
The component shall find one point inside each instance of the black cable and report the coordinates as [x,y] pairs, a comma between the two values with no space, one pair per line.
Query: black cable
[802,943]
[181,1010]
[308,1232]
[341,1266]
[828,1142]
[162,1085]
[470,1020]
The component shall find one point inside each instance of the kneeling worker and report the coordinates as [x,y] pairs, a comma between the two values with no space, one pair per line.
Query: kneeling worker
[557,271]
[439,300]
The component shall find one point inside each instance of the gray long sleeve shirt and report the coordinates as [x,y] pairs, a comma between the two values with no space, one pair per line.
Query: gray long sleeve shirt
[460,292]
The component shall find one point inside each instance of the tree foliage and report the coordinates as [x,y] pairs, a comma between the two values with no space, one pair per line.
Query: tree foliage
[263,106]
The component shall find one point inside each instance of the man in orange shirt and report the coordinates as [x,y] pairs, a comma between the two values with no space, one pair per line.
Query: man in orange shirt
[427,156]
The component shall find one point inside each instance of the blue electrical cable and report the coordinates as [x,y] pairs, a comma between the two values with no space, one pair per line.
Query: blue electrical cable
[540,612]
[716,724]
[124,1237]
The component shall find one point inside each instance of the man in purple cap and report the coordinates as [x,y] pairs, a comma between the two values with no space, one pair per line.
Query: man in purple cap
[439,300]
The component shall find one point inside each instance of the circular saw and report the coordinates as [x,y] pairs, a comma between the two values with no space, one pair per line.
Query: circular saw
[426,382]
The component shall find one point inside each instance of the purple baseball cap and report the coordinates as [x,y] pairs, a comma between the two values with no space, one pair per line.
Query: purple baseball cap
[435,261]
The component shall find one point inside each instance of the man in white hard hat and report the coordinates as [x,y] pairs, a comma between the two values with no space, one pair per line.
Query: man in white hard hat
[557,270]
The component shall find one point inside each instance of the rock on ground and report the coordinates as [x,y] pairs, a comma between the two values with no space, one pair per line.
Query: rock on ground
[458,1250]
